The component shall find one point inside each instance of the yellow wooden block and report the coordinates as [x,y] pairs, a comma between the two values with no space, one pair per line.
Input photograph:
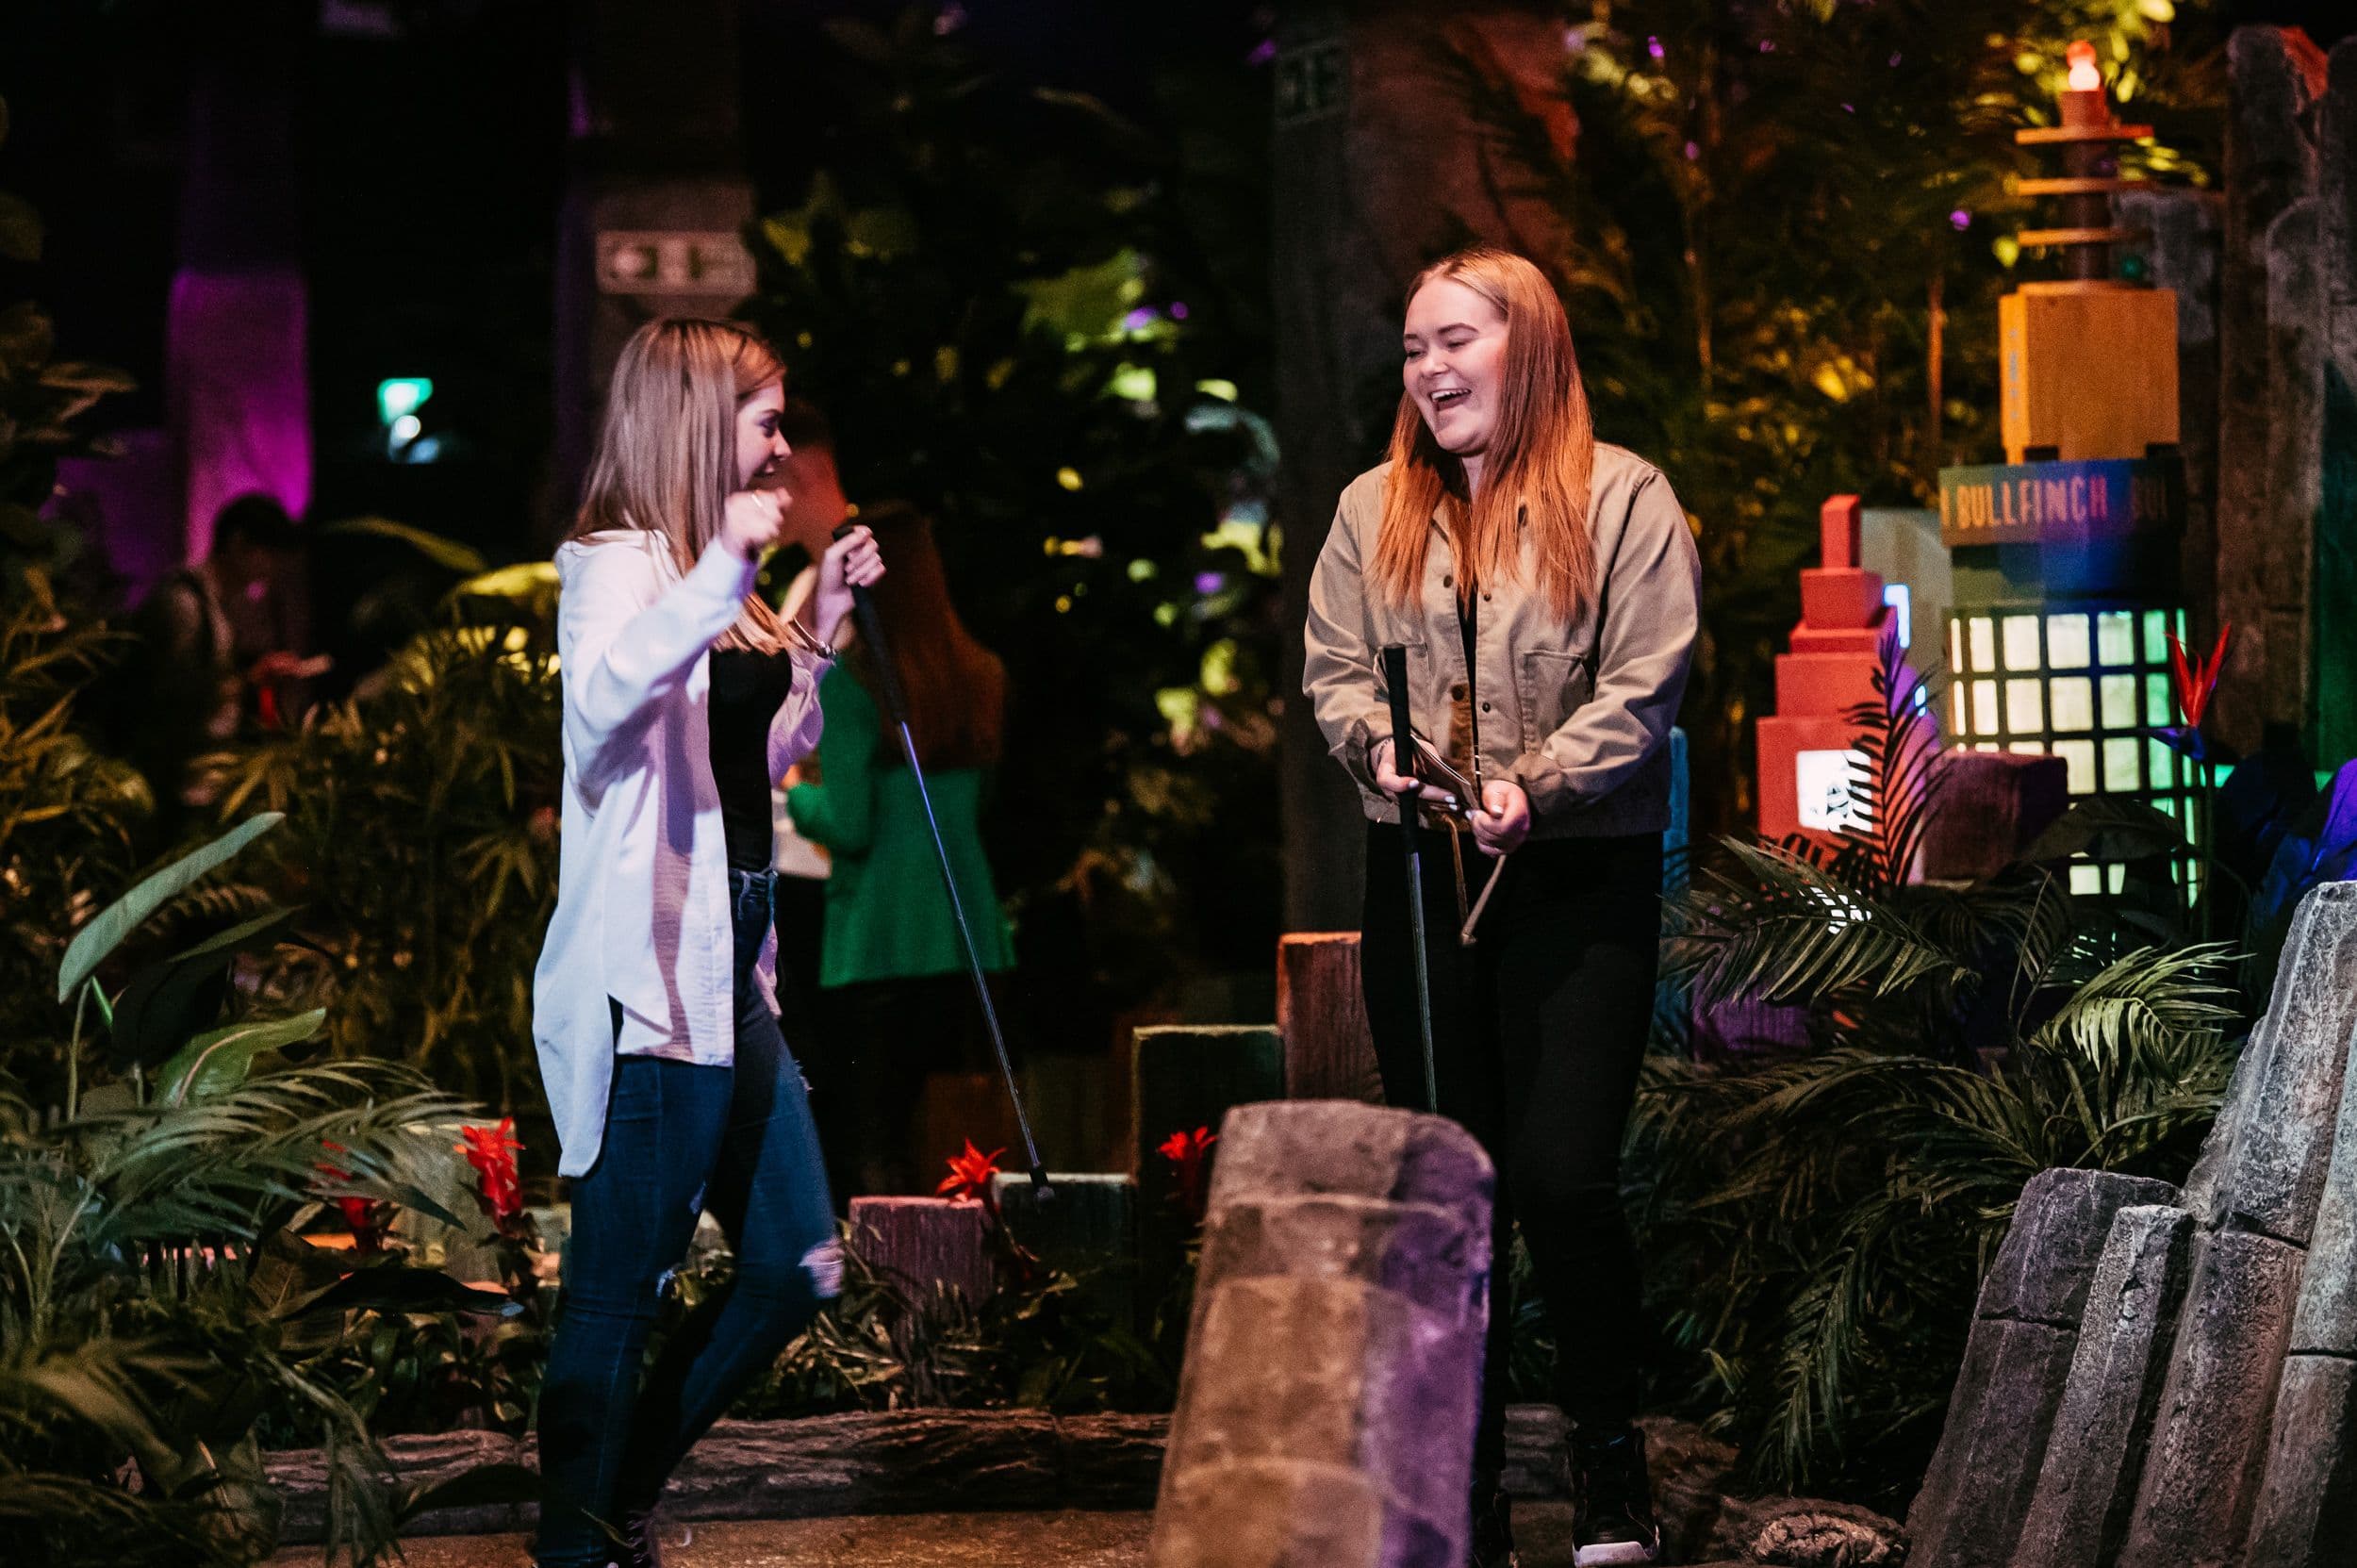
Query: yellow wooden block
[2089,369]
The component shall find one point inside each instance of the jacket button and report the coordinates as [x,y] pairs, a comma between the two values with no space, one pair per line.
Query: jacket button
[1485,708]
[1485,598]
[1457,692]
[1448,580]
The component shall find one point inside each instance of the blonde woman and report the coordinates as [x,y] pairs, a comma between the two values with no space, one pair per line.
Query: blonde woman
[686,696]
[1546,590]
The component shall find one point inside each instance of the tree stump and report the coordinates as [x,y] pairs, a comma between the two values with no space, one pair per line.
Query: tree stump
[917,1243]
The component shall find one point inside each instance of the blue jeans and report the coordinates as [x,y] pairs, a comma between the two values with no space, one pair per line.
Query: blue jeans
[680,1137]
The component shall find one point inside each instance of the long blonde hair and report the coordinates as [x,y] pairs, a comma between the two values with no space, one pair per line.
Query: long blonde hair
[667,454]
[1540,457]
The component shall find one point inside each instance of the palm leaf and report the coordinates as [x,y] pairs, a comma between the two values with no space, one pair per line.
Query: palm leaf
[95,941]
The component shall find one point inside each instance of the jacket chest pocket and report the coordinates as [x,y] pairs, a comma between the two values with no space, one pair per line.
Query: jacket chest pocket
[1554,687]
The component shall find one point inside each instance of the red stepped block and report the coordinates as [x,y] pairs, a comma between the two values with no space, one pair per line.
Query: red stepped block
[1810,683]
[1839,639]
[1837,533]
[1835,598]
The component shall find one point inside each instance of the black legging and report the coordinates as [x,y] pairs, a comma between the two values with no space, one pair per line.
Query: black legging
[1538,1031]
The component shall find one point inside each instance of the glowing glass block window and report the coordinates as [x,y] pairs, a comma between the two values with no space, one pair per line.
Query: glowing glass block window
[2119,702]
[2121,774]
[2116,638]
[2160,701]
[2075,703]
[1984,708]
[2086,879]
[2025,712]
[2078,757]
[2021,649]
[2156,630]
[2067,646]
[1983,633]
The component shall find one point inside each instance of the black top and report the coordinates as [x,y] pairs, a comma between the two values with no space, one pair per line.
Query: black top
[748,688]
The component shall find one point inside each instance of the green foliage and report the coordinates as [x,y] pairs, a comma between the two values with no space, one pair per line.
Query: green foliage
[421,843]
[68,819]
[1001,301]
[157,1298]
[1761,204]
[1820,1220]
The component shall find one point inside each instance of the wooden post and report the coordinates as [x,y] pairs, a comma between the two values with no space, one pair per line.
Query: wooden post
[920,1241]
[1322,1019]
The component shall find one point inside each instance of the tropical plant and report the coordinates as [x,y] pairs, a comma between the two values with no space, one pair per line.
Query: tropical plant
[999,297]
[420,845]
[1821,1217]
[158,1295]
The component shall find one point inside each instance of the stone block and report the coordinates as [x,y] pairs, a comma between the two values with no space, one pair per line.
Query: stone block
[1287,1514]
[2061,1225]
[2095,1454]
[1087,1230]
[1987,808]
[1334,1372]
[1184,1076]
[1433,1255]
[2325,1321]
[2273,1179]
[2194,1499]
[1322,1019]
[2306,1515]
[1970,1511]
[2201,1196]
[1302,1147]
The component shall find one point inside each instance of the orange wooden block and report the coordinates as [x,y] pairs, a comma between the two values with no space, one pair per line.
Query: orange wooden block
[2089,369]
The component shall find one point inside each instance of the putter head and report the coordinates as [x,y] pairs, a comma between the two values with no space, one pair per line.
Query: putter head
[1040,1187]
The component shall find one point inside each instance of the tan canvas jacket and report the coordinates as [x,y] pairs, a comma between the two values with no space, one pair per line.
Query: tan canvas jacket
[1579,715]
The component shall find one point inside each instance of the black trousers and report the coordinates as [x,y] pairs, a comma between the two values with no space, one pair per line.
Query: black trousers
[1538,1031]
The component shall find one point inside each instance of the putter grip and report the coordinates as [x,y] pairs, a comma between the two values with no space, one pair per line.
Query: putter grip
[879,654]
[1396,678]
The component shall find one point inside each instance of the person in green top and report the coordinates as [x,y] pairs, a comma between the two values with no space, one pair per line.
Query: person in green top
[891,970]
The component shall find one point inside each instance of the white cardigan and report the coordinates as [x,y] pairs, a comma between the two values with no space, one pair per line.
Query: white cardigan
[642,901]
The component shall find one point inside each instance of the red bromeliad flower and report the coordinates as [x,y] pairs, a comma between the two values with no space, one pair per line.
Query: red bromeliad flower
[969,1174]
[2194,683]
[492,1151]
[1188,1153]
[368,1218]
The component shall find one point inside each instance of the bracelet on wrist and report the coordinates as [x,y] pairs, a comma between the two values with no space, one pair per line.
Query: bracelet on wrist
[807,642]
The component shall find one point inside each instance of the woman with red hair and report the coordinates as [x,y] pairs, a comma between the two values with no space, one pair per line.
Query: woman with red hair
[1546,590]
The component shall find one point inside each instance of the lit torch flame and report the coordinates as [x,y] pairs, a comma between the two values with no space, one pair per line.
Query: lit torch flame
[2084,76]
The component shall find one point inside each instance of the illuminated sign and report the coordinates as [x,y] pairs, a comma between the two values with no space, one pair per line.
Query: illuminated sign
[646,261]
[2060,503]
[1823,786]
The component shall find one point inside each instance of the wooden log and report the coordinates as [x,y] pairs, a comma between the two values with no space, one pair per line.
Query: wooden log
[1322,1019]
[861,1462]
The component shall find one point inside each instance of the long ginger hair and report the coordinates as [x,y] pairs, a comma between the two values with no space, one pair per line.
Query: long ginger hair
[1540,457]
[957,688]
[666,455]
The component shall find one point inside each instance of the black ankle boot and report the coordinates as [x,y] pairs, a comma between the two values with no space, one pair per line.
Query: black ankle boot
[1492,1526]
[1614,1520]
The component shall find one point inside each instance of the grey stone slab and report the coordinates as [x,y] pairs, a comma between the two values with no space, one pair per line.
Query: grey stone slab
[2209,1434]
[2094,1454]
[2201,1196]
[1969,1512]
[2306,1516]
[2325,1320]
[2274,1177]
[2060,1225]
